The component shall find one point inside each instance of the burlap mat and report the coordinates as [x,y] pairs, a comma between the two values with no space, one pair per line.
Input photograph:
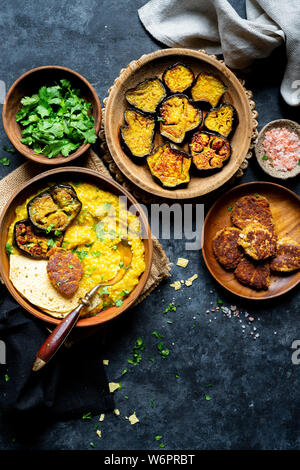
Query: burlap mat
[160,267]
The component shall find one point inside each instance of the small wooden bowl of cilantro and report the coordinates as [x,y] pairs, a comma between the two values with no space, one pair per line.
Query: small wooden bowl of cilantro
[52,115]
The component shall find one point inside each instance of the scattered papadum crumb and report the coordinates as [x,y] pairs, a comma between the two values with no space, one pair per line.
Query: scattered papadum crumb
[99,434]
[113,386]
[176,285]
[190,280]
[105,362]
[133,419]
[117,412]
[102,417]
[182,262]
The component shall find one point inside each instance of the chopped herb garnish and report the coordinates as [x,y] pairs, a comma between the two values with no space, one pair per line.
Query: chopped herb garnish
[124,371]
[157,335]
[9,150]
[161,445]
[70,266]
[158,438]
[57,233]
[92,444]
[8,248]
[5,161]
[220,302]
[229,208]
[87,415]
[152,403]
[126,397]
[170,307]
[164,352]
[207,397]
[49,228]
[137,357]
[119,303]
[81,253]
[160,119]
[51,243]
[121,264]
[6,378]
[124,293]
[151,358]
[56,120]
[89,244]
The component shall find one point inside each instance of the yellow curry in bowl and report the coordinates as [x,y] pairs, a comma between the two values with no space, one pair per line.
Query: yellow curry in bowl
[95,236]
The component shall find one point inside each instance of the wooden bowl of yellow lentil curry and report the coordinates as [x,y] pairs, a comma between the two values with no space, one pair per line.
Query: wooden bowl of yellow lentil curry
[97,248]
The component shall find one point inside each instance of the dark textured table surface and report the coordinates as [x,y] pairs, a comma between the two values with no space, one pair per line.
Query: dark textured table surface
[252,384]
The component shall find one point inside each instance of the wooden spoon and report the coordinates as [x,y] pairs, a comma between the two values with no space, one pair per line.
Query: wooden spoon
[63,329]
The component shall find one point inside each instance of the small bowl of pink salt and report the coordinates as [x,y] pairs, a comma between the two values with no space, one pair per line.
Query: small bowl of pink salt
[278,148]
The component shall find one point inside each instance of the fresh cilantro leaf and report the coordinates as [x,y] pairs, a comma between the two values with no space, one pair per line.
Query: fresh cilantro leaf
[119,303]
[265,157]
[157,335]
[9,150]
[5,161]
[8,248]
[158,438]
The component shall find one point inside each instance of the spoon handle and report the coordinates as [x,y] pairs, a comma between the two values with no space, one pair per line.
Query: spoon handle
[56,338]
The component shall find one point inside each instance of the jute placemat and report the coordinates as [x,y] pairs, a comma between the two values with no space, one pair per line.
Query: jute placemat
[160,267]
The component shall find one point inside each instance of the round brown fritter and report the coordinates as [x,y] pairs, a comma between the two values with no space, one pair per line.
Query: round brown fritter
[256,275]
[287,256]
[252,208]
[64,270]
[226,248]
[258,241]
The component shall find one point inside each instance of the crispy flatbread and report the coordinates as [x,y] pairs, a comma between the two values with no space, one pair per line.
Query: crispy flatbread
[29,276]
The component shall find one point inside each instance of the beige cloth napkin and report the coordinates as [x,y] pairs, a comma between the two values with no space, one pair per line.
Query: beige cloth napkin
[160,267]
[214,25]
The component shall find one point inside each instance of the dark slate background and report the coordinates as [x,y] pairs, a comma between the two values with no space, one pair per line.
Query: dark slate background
[253,385]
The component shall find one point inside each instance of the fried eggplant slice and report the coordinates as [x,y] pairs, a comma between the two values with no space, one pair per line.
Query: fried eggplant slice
[256,275]
[54,209]
[138,133]
[208,88]
[221,120]
[64,271]
[178,116]
[32,243]
[252,208]
[178,78]
[287,256]
[147,95]
[258,241]
[226,248]
[209,151]
[170,167]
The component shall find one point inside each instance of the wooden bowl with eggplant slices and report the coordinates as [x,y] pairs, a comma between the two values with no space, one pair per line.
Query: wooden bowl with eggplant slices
[178,123]
[66,231]
[51,115]
[251,240]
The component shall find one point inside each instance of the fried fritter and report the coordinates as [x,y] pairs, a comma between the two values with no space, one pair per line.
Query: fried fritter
[64,271]
[252,208]
[226,248]
[287,256]
[256,275]
[258,241]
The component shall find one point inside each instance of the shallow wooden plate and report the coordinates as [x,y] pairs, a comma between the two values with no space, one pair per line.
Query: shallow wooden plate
[69,174]
[154,64]
[285,206]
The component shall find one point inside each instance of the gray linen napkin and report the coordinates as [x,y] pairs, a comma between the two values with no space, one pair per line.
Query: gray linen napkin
[214,25]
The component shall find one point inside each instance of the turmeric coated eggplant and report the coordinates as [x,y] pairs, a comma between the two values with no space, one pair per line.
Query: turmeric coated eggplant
[138,133]
[209,151]
[178,78]
[178,115]
[54,209]
[147,95]
[221,120]
[32,243]
[169,167]
[208,88]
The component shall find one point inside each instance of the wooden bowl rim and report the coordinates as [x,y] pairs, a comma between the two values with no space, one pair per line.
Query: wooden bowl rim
[115,311]
[23,148]
[118,157]
[292,126]
[232,190]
